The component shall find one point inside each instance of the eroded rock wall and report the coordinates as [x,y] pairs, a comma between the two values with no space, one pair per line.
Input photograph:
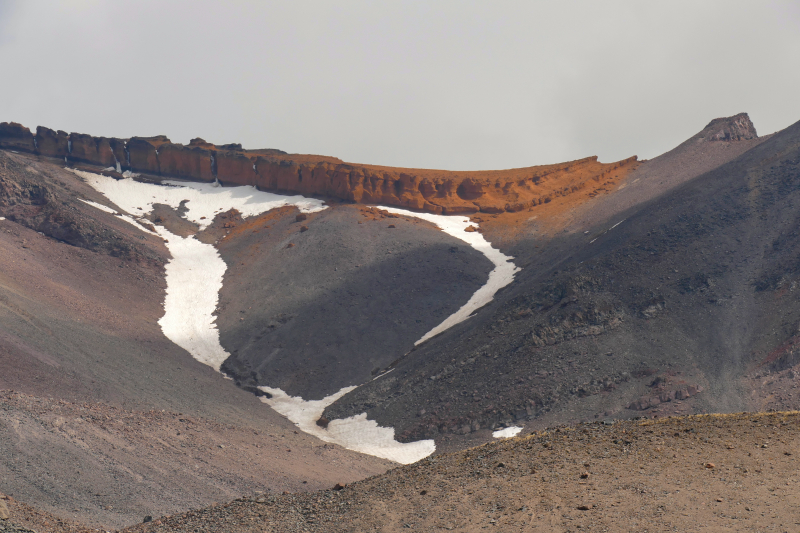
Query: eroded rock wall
[434,191]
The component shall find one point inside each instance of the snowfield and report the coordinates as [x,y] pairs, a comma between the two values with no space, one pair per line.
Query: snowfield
[194,278]
[502,275]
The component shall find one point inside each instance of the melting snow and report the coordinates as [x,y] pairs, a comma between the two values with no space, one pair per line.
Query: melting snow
[354,433]
[507,433]
[188,318]
[502,275]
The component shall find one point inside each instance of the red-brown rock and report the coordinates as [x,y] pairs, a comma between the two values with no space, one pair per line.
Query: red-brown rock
[143,156]
[15,136]
[189,162]
[52,143]
[435,191]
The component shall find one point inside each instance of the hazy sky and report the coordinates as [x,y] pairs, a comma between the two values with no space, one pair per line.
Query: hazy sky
[434,84]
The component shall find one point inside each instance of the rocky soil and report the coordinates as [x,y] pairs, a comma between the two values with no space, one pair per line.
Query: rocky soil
[707,472]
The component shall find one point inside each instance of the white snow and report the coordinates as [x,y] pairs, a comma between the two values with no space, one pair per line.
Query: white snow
[354,433]
[2,218]
[507,433]
[109,169]
[125,217]
[204,200]
[502,275]
[194,278]
[101,207]
[188,319]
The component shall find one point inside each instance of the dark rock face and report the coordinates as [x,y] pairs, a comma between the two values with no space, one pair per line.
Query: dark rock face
[42,204]
[15,136]
[143,156]
[52,143]
[691,288]
[736,128]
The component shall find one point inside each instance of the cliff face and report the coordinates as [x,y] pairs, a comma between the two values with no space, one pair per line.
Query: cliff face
[435,191]
[736,128]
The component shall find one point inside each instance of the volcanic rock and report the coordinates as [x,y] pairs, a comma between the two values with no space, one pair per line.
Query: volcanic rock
[434,191]
[52,143]
[736,128]
[15,136]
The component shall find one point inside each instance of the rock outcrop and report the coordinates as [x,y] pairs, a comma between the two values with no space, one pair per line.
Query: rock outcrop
[736,128]
[435,191]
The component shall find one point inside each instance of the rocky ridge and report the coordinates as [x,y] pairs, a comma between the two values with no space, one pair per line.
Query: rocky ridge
[434,191]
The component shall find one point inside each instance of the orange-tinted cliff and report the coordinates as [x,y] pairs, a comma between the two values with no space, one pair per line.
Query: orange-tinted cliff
[435,191]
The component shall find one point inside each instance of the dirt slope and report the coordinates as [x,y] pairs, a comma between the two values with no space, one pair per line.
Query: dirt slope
[351,295]
[83,434]
[716,473]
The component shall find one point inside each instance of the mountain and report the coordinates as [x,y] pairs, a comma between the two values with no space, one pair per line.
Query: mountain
[148,314]
[670,306]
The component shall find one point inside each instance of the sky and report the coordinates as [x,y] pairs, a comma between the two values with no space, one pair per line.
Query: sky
[452,84]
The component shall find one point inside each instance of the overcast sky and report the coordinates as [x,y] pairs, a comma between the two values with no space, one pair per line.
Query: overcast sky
[431,84]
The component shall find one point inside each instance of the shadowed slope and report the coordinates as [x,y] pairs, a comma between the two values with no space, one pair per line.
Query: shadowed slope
[108,420]
[683,294]
[349,297]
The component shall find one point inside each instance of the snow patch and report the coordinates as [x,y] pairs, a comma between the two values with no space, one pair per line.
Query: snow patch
[502,275]
[507,433]
[354,433]
[188,319]
[101,207]
[204,200]
[194,278]
[2,218]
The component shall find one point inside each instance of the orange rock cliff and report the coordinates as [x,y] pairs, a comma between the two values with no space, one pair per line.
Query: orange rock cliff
[435,191]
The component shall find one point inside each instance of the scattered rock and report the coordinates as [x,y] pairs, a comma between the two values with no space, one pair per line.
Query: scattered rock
[147,519]
[470,229]
[303,228]
[339,486]
[323,422]
[709,465]
[300,217]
